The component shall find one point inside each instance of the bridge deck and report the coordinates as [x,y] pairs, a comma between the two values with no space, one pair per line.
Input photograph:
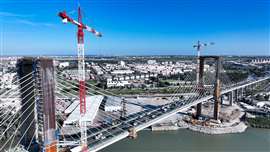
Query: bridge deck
[144,119]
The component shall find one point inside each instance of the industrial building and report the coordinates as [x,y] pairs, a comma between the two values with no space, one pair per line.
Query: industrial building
[92,107]
[111,104]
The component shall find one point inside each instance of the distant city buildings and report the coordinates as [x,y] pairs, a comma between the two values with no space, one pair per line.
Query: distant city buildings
[116,83]
[165,68]
[121,72]
[7,72]
[151,61]
[72,74]
[6,80]
[135,74]
[261,61]
[63,64]
[122,64]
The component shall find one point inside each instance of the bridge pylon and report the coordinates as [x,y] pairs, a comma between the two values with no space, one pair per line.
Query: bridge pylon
[217,91]
[200,86]
[217,85]
[25,73]
[44,127]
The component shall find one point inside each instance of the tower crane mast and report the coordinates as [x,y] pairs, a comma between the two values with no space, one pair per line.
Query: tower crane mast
[198,47]
[81,68]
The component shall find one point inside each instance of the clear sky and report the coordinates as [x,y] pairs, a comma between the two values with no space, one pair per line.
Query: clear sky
[137,27]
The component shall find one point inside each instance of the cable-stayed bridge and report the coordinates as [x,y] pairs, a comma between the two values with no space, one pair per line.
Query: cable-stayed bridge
[35,124]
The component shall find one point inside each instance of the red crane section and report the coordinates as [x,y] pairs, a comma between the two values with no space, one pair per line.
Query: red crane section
[81,68]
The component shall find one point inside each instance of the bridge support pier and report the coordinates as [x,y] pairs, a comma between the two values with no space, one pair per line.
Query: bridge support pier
[198,110]
[246,91]
[231,98]
[217,96]
[252,87]
[236,95]
[222,100]
[241,94]
[200,84]
[124,108]
[133,133]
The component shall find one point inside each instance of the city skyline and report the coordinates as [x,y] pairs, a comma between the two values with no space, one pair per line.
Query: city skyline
[137,27]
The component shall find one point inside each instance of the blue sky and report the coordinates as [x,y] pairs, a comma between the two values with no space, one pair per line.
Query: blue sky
[137,27]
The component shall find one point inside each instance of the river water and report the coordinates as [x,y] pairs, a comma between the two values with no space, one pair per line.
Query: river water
[253,140]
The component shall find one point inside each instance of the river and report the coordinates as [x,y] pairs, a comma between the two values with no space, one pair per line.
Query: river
[253,140]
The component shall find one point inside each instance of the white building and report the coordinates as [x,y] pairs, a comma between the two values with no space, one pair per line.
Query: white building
[122,63]
[6,80]
[261,61]
[151,61]
[98,70]
[111,104]
[64,64]
[92,107]
[116,83]
[122,72]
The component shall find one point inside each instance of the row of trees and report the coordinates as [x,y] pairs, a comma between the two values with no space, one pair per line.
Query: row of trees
[259,122]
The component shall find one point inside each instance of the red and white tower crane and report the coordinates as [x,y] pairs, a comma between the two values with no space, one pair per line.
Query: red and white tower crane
[198,47]
[81,68]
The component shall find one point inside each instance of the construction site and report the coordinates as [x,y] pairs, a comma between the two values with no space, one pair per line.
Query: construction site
[50,104]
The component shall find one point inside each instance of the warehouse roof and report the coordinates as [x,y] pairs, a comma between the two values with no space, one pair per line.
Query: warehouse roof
[92,107]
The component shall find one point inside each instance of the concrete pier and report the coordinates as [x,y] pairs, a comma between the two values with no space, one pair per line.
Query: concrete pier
[200,85]
[217,91]
[231,98]
[133,133]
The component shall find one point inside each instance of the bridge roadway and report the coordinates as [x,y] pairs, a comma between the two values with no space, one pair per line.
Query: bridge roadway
[108,134]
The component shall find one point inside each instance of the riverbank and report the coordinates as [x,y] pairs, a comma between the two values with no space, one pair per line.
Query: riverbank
[230,122]
[164,128]
[259,122]
[236,128]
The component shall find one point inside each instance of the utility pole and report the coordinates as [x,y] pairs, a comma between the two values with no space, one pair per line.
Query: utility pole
[81,68]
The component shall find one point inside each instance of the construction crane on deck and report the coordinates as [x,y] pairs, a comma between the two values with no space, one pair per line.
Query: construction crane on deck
[81,68]
[198,47]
